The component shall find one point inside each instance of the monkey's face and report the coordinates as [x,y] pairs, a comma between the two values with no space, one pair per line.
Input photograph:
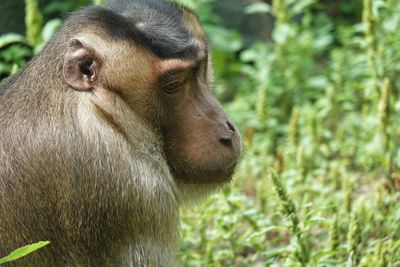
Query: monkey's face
[201,144]
[174,96]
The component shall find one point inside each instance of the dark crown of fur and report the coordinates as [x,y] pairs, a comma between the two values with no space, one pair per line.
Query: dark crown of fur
[155,24]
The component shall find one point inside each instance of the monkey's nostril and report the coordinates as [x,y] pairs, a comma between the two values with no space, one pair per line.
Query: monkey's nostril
[226,142]
[230,126]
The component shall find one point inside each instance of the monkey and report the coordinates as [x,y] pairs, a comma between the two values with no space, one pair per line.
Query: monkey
[106,132]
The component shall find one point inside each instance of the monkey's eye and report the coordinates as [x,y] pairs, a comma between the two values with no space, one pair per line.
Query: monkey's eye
[171,87]
[171,83]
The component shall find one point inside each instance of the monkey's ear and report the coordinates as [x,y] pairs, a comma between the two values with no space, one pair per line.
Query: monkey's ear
[80,66]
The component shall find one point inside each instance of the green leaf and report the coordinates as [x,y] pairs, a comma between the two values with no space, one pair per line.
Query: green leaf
[47,32]
[279,251]
[267,230]
[49,29]
[258,7]
[300,6]
[283,33]
[23,251]
[227,41]
[11,38]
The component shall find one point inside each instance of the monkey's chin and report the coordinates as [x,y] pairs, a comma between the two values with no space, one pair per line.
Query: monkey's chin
[205,177]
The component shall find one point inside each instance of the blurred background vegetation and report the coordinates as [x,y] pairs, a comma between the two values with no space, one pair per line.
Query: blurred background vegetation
[314,88]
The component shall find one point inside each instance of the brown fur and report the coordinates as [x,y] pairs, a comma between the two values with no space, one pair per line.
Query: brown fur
[101,172]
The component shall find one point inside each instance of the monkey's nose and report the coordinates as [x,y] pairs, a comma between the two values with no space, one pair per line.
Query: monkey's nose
[226,140]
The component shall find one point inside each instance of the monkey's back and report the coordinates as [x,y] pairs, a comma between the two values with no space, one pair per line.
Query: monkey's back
[69,178]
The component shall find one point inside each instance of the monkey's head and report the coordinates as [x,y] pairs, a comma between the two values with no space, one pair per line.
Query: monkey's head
[155,57]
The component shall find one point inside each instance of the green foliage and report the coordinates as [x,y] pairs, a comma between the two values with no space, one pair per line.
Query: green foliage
[22,252]
[33,21]
[14,53]
[301,252]
[320,104]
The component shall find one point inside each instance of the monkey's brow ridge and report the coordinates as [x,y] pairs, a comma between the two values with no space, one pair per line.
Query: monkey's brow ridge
[157,25]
